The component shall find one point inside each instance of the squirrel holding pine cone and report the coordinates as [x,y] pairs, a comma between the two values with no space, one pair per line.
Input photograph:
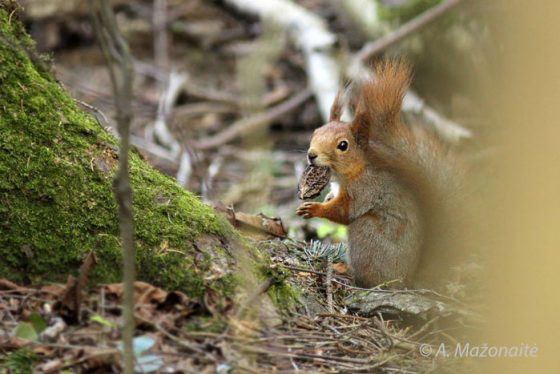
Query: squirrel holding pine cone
[398,184]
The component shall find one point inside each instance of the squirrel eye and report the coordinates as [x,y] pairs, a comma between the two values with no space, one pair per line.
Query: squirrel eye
[343,145]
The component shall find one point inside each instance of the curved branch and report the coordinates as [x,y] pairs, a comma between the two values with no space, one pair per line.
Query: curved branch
[373,48]
[246,125]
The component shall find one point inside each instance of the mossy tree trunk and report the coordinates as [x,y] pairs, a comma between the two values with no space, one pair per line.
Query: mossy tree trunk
[56,199]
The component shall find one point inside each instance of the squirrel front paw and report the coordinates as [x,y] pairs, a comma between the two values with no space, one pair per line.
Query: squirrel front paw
[308,210]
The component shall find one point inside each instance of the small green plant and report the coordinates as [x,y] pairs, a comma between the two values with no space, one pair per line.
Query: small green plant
[31,330]
[102,321]
[317,251]
[20,361]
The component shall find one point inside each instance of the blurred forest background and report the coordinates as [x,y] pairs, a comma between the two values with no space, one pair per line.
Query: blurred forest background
[227,93]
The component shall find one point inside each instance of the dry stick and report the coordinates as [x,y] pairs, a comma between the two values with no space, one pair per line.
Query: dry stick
[193,347]
[11,286]
[302,270]
[153,149]
[161,55]
[246,125]
[371,49]
[173,87]
[328,281]
[119,64]
[309,356]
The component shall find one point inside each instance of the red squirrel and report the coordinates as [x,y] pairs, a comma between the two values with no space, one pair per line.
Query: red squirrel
[397,182]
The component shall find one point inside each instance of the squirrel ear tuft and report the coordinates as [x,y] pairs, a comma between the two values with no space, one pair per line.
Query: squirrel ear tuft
[340,100]
[337,106]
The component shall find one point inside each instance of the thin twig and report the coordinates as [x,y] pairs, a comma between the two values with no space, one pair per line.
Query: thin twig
[246,125]
[372,49]
[294,268]
[161,55]
[328,282]
[183,343]
[119,64]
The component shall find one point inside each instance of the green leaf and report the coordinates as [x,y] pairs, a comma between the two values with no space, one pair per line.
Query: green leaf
[26,331]
[37,322]
[20,361]
[102,321]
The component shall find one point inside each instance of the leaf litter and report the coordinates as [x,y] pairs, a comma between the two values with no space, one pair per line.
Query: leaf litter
[377,330]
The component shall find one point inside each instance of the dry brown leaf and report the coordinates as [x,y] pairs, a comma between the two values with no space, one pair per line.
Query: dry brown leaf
[152,303]
[72,299]
[145,293]
[56,290]
[340,268]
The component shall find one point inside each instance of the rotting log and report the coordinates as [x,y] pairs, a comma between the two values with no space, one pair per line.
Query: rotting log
[56,200]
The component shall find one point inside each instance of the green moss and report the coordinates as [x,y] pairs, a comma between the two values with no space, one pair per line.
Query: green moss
[56,198]
[57,204]
[283,295]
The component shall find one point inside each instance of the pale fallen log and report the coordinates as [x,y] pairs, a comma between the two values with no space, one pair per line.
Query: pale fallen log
[310,34]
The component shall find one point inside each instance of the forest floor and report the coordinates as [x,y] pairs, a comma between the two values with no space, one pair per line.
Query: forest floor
[334,327]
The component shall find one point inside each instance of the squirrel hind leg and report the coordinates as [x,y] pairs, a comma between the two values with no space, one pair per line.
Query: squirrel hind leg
[377,257]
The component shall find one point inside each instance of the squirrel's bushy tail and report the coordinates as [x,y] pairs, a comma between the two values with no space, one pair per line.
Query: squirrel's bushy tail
[379,98]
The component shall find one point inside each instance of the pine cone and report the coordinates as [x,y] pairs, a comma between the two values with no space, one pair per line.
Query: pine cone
[312,181]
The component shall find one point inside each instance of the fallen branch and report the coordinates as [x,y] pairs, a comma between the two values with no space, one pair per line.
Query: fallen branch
[374,48]
[310,33]
[246,125]
[160,129]
[11,286]
[445,127]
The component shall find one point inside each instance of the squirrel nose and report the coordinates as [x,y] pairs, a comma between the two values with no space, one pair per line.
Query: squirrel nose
[311,156]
